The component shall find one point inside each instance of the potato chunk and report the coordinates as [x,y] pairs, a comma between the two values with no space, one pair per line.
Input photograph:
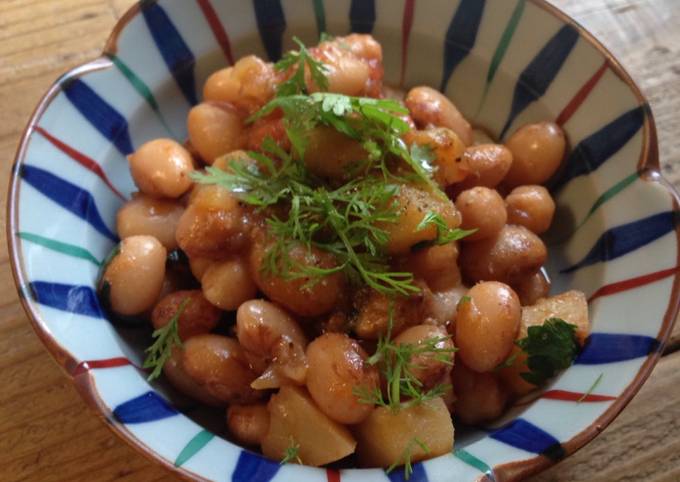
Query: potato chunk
[295,419]
[384,436]
[571,306]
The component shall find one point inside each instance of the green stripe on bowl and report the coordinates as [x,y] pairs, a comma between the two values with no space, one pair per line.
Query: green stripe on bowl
[193,447]
[60,247]
[471,460]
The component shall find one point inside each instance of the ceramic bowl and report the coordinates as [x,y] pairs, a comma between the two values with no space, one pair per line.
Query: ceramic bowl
[504,63]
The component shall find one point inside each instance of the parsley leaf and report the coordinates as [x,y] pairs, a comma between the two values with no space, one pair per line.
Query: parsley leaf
[550,347]
[166,338]
[301,61]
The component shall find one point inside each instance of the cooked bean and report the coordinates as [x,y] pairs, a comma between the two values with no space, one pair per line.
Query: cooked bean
[199,266]
[486,325]
[437,265]
[215,129]
[147,215]
[511,376]
[428,368]
[261,326]
[226,284]
[488,165]
[532,288]
[178,377]
[430,107]
[515,252]
[448,149]
[198,316]
[337,366]
[161,168]
[134,276]
[531,207]
[333,155]
[219,365]
[363,46]
[482,209]
[247,85]
[213,225]
[479,396]
[537,151]
[268,332]
[248,423]
[292,294]
[351,71]
[413,205]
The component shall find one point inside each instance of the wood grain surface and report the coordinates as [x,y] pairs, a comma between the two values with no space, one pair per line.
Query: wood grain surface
[48,434]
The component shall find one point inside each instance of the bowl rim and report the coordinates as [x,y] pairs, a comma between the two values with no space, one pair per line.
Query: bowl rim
[648,168]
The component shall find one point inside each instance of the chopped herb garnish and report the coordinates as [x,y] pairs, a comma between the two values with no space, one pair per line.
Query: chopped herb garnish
[397,365]
[591,389]
[347,221]
[300,60]
[292,453]
[406,457]
[464,299]
[445,234]
[167,337]
[550,347]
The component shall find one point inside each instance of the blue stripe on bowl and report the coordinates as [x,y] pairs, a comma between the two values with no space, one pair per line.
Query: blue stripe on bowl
[144,408]
[620,240]
[526,436]
[461,36]
[271,23]
[534,81]
[252,467]
[103,117]
[81,300]
[67,195]
[594,150]
[362,16]
[611,347]
[418,474]
[174,50]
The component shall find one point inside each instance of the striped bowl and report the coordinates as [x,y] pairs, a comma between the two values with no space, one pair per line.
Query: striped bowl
[503,62]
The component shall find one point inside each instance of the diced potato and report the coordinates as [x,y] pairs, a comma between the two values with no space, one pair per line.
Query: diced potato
[296,420]
[571,306]
[384,436]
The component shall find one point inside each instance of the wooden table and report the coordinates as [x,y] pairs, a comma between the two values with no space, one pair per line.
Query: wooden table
[47,433]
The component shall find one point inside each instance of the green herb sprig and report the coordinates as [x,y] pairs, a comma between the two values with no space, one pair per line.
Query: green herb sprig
[292,453]
[166,338]
[300,60]
[406,457]
[397,366]
[445,234]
